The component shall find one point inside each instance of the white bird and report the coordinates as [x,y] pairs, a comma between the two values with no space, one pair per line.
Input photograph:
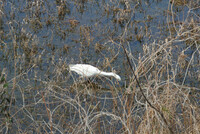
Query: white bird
[86,70]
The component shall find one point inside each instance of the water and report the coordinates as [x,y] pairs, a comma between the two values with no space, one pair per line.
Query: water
[50,35]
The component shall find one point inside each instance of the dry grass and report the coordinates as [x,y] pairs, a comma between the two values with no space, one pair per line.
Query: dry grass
[160,88]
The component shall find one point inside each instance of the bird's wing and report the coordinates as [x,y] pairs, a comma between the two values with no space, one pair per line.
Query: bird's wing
[84,69]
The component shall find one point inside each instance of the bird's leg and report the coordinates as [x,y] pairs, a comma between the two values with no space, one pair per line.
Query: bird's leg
[87,81]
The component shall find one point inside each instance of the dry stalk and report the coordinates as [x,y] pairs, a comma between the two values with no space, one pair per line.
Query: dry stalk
[141,90]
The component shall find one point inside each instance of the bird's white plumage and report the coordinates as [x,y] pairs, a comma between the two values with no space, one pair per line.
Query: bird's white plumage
[86,70]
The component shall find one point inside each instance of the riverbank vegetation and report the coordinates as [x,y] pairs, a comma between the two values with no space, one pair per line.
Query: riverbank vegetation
[153,45]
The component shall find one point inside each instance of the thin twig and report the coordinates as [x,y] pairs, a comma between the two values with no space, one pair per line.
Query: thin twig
[141,90]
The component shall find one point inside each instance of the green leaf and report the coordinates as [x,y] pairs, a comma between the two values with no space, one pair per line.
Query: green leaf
[2,79]
[5,85]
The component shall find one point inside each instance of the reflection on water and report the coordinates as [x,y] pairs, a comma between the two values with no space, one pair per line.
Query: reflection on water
[39,39]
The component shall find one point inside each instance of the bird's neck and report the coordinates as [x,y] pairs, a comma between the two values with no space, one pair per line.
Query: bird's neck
[110,74]
[106,73]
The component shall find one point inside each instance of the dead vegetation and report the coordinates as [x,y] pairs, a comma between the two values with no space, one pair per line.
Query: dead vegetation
[160,90]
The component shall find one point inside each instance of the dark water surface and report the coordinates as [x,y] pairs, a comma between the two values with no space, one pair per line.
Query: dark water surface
[39,39]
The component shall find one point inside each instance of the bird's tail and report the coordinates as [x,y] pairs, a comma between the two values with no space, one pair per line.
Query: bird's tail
[71,65]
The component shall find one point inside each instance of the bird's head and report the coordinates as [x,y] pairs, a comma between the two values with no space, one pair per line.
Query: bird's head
[117,77]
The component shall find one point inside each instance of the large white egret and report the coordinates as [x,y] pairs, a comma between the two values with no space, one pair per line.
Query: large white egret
[86,70]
